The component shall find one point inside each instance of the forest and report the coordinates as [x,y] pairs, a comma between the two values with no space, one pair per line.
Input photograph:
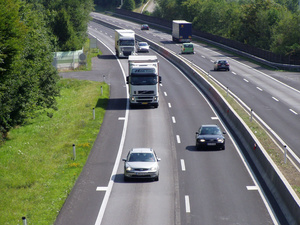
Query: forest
[30,30]
[272,25]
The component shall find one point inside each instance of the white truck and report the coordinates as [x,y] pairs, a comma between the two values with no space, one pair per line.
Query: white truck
[124,42]
[143,80]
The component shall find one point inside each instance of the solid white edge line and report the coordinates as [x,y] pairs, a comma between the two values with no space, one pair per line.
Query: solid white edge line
[187,204]
[169,104]
[118,158]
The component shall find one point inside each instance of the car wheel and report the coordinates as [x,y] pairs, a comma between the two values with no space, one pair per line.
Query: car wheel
[126,178]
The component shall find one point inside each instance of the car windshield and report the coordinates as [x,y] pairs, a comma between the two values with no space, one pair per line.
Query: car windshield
[210,131]
[143,79]
[143,44]
[141,157]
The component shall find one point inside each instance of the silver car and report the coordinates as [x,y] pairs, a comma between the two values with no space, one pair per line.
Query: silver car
[142,47]
[141,163]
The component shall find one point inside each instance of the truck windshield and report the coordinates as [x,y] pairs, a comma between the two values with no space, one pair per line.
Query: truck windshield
[126,42]
[143,79]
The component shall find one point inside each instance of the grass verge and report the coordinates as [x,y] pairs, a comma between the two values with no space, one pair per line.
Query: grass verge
[36,162]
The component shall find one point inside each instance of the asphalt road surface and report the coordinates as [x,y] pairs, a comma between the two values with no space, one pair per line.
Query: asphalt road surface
[195,187]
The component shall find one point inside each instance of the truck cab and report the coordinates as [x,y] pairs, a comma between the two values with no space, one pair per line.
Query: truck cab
[143,80]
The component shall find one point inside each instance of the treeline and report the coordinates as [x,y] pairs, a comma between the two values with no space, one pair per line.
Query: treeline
[127,4]
[29,32]
[272,25]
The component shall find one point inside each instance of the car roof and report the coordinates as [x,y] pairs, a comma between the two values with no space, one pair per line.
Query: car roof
[141,150]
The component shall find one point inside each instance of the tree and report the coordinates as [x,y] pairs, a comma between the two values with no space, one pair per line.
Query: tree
[128,5]
[286,37]
[28,79]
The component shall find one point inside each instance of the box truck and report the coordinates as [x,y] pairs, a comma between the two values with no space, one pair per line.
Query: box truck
[124,42]
[181,31]
[143,80]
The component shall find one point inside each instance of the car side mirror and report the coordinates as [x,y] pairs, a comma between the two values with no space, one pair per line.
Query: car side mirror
[224,132]
[159,79]
[127,80]
[158,159]
[197,132]
[124,159]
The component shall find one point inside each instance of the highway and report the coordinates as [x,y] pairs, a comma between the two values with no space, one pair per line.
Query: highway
[272,95]
[195,187]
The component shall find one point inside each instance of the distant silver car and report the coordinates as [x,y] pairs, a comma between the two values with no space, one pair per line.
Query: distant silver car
[142,47]
[141,163]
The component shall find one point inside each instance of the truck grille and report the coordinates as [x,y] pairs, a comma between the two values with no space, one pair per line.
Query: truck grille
[146,92]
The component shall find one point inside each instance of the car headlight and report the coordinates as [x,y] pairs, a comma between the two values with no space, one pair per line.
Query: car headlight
[153,169]
[128,168]
[202,140]
[220,140]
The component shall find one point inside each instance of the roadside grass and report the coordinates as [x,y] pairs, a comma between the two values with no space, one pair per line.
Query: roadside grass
[36,162]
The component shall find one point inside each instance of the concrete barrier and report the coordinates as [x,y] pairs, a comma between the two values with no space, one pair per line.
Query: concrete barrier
[271,179]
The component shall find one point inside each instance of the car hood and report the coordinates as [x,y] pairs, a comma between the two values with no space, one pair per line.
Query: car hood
[210,136]
[141,164]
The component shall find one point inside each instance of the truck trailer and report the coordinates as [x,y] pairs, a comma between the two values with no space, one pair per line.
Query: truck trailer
[143,80]
[124,42]
[181,31]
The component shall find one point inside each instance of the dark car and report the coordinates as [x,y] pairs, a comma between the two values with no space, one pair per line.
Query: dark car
[145,27]
[141,163]
[210,136]
[221,65]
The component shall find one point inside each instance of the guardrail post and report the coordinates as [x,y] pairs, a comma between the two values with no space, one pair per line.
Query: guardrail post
[285,154]
[251,115]
[101,91]
[94,113]
[74,152]
[24,220]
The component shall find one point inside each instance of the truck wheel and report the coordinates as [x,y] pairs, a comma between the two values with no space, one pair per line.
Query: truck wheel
[156,105]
